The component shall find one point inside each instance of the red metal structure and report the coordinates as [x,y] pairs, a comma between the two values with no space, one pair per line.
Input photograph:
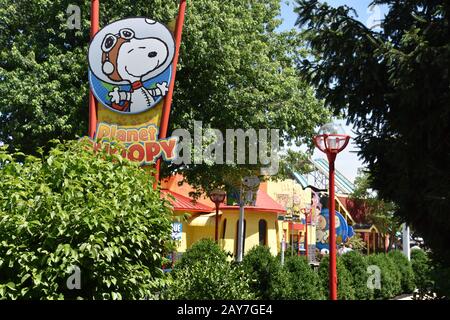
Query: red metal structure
[92,101]
[331,141]
[168,99]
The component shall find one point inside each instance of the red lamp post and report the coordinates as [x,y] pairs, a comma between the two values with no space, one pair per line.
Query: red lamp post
[332,140]
[217,196]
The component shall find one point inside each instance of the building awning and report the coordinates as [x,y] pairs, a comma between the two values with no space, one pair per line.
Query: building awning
[204,220]
[182,203]
[264,203]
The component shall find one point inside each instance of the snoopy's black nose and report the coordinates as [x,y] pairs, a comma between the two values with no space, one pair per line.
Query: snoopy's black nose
[152,54]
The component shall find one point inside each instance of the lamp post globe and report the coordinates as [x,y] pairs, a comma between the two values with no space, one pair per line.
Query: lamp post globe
[331,140]
[217,196]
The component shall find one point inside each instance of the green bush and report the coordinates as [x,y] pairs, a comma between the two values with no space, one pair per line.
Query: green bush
[357,265]
[204,273]
[268,280]
[406,270]
[305,281]
[421,265]
[345,282]
[208,279]
[391,285]
[432,278]
[74,208]
[202,250]
[441,280]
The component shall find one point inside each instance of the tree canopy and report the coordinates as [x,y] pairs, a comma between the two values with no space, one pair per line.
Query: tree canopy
[394,86]
[76,209]
[235,71]
[366,206]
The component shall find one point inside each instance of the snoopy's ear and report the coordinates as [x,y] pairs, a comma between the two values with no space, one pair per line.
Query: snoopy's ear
[108,68]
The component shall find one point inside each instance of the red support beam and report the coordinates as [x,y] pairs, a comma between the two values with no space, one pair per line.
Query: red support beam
[92,101]
[168,99]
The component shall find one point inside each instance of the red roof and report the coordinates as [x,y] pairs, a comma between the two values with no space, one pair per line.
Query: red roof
[264,203]
[182,203]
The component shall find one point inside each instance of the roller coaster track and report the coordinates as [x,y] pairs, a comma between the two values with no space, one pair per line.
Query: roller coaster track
[343,185]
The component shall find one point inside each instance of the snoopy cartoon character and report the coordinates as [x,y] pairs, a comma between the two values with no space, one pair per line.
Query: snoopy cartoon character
[129,56]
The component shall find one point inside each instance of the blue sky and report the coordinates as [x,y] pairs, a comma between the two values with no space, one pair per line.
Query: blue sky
[347,161]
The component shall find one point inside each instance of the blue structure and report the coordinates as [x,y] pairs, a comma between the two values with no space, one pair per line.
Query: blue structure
[343,230]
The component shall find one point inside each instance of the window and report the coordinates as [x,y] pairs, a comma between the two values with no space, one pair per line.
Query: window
[237,233]
[262,228]
[224,228]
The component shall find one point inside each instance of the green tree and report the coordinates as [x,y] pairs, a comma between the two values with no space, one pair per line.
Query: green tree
[393,85]
[43,67]
[235,71]
[73,208]
[366,206]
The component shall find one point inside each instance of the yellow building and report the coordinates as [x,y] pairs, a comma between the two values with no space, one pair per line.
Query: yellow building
[265,223]
[297,203]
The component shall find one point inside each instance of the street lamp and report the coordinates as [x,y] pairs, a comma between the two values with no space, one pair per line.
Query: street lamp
[217,196]
[332,140]
[306,211]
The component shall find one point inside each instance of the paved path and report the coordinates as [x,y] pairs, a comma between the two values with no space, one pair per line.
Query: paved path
[404,297]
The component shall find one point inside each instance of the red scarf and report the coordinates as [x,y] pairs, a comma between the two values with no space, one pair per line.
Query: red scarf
[136,85]
[124,108]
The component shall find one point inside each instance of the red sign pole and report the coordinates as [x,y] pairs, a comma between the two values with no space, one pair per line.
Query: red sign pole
[92,100]
[168,99]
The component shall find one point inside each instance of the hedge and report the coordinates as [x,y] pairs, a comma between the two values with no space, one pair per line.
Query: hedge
[357,264]
[432,277]
[391,285]
[268,280]
[406,271]
[304,280]
[205,273]
[345,288]
[200,251]
[208,279]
